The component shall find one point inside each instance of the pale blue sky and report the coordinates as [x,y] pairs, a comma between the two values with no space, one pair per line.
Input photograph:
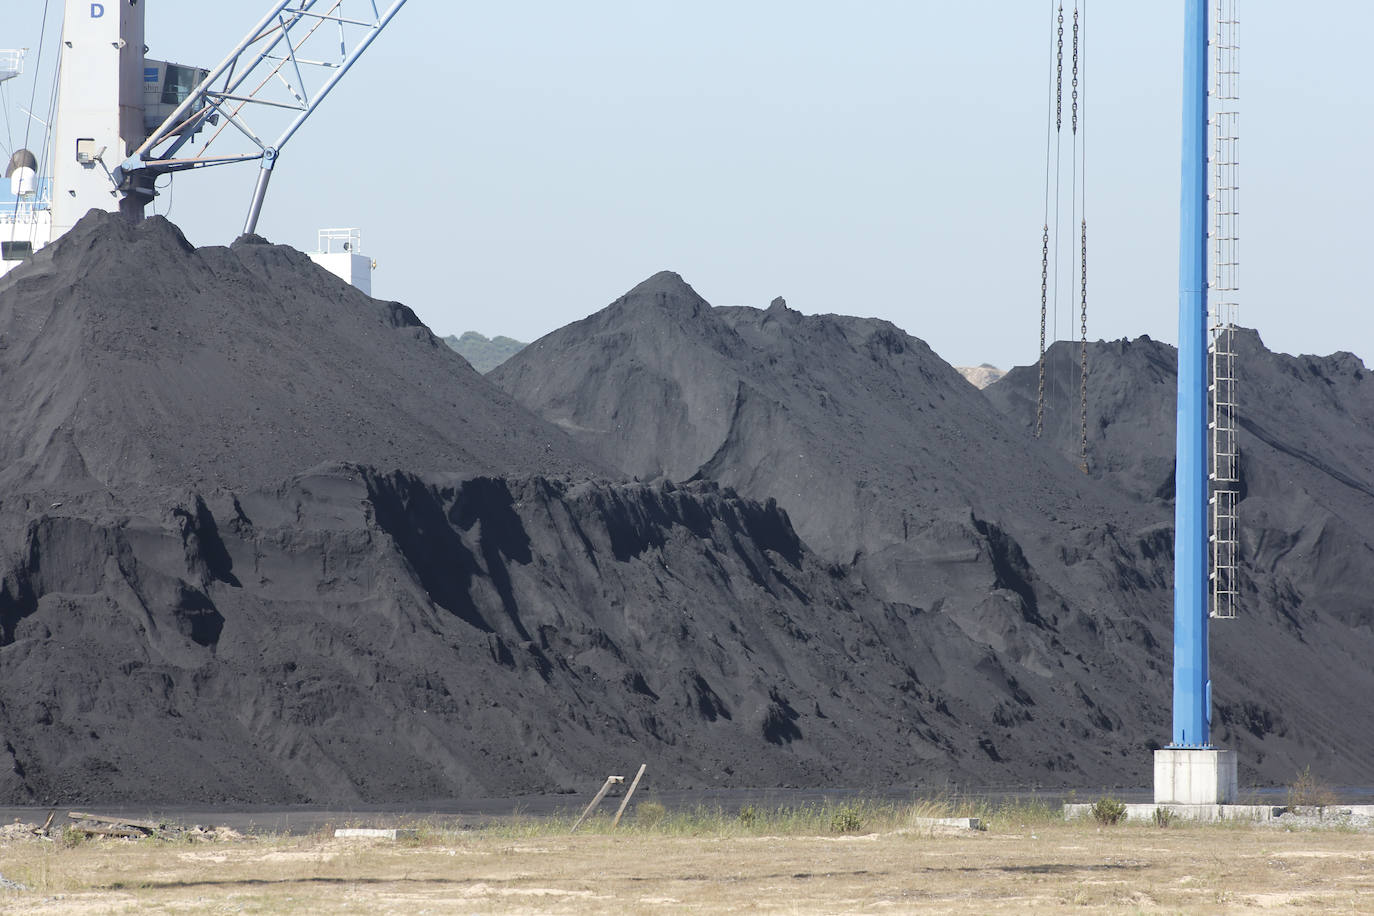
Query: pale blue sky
[515,166]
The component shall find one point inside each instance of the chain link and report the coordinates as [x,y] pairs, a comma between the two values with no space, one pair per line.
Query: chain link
[1059,77]
[1075,69]
[1083,330]
[1044,308]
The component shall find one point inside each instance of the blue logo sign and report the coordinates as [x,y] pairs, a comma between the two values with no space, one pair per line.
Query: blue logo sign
[97,10]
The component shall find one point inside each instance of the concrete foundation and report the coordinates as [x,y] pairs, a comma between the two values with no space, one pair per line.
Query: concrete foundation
[1257,814]
[1199,813]
[376,833]
[1188,776]
[956,823]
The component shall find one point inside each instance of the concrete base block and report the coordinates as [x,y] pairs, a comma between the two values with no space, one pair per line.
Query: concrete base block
[1199,813]
[1187,776]
[958,823]
[375,833]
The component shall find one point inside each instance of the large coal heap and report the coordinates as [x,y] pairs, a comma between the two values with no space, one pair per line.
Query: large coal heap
[267,540]
[264,539]
[939,496]
[136,366]
[1306,436]
[874,444]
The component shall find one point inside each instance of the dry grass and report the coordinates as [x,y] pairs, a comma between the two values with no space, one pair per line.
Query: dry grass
[1307,791]
[787,861]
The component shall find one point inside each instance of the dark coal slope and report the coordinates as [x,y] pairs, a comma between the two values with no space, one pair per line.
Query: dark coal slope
[1295,669]
[353,636]
[886,458]
[218,586]
[865,436]
[135,366]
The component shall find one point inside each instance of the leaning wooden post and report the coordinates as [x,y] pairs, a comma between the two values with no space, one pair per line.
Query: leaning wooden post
[631,791]
[610,781]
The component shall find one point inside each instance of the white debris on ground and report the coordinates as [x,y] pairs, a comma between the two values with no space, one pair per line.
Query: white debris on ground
[1330,817]
[212,834]
[21,831]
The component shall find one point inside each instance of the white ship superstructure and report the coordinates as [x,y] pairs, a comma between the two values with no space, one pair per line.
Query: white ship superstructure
[25,197]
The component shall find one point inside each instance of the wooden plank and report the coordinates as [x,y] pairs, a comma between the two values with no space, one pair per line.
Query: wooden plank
[133,833]
[630,792]
[104,819]
[610,781]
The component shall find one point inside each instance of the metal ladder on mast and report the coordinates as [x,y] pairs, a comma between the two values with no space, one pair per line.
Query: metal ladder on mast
[1225,472]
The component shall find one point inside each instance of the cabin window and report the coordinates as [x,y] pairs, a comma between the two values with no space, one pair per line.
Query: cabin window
[179,82]
[15,251]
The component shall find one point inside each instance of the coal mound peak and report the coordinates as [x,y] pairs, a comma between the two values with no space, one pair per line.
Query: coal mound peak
[861,431]
[938,496]
[141,366]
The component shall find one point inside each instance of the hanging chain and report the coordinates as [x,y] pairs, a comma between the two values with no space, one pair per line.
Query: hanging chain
[1076,65]
[1059,77]
[1044,307]
[1045,240]
[1082,279]
[1083,376]
[1075,69]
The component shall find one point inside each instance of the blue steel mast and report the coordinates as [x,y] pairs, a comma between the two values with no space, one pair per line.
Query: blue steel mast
[1192,684]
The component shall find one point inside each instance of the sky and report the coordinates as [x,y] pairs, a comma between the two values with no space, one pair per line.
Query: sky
[516,166]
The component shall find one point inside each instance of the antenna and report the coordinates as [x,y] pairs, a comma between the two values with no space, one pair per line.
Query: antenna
[281,71]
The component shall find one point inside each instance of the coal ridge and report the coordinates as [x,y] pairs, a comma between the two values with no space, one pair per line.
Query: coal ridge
[264,540]
[893,466]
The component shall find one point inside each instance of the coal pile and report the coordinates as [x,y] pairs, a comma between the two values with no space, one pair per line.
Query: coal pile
[935,495]
[1294,670]
[264,540]
[878,449]
[136,366]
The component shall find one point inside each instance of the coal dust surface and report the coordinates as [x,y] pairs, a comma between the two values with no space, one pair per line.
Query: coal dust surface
[267,541]
[939,497]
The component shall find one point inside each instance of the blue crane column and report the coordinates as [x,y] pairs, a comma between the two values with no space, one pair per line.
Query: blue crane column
[1192,686]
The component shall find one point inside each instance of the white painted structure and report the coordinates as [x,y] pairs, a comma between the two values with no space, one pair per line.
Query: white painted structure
[25,214]
[99,120]
[1195,776]
[25,219]
[341,253]
[99,109]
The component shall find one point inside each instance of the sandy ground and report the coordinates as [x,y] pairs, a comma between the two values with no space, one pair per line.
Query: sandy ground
[1044,868]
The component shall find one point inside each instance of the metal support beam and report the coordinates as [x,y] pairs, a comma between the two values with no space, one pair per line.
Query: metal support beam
[1192,685]
[269,159]
[337,75]
[273,43]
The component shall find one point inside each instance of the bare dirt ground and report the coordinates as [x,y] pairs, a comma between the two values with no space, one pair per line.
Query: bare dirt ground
[1039,868]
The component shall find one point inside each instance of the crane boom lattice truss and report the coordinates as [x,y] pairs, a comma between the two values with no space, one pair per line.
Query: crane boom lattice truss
[264,90]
